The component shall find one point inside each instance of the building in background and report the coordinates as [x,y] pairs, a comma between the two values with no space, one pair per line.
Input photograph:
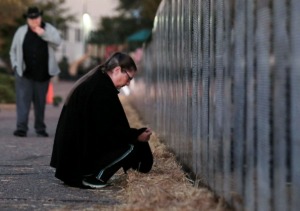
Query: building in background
[88,13]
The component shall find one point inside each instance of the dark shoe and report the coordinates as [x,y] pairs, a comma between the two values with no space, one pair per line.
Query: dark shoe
[42,134]
[93,182]
[20,133]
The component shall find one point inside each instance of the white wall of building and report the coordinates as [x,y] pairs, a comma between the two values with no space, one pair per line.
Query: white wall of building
[73,46]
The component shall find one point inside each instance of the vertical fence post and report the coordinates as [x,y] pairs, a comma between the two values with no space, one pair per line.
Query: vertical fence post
[263,105]
[250,196]
[295,104]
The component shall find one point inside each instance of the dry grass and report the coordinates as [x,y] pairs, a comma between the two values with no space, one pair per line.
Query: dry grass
[166,187]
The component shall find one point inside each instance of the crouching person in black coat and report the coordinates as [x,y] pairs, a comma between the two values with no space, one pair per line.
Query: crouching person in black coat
[93,138]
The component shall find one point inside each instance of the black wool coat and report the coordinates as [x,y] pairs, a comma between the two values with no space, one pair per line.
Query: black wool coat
[91,127]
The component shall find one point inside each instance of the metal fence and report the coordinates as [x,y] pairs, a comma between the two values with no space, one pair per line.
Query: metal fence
[220,84]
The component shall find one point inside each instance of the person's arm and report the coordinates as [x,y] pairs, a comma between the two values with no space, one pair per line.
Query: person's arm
[13,52]
[112,122]
[50,34]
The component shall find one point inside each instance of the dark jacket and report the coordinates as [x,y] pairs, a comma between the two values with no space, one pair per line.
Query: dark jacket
[91,126]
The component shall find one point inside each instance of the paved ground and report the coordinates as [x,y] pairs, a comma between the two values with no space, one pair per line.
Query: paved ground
[27,181]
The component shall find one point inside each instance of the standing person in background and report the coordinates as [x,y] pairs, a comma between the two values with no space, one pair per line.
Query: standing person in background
[93,138]
[33,61]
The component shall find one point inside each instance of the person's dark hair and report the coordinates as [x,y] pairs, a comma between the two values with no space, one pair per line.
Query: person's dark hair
[117,59]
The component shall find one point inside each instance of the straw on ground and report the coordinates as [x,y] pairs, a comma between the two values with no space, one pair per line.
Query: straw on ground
[166,187]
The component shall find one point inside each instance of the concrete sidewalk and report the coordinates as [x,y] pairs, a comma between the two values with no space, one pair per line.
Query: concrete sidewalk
[27,181]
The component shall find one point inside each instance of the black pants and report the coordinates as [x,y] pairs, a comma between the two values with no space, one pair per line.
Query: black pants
[28,91]
[137,156]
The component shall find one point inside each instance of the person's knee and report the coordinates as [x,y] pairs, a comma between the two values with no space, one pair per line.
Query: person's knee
[145,167]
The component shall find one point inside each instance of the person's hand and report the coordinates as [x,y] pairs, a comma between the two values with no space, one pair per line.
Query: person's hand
[39,30]
[145,136]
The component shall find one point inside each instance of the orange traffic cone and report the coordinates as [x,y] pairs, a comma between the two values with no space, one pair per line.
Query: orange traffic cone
[50,94]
